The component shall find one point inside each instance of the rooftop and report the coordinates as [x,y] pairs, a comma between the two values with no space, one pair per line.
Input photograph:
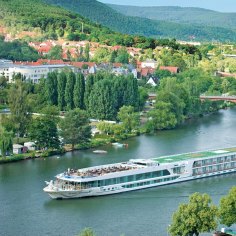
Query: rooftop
[194,155]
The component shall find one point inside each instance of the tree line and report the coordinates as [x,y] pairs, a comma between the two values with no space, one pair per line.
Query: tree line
[101,96]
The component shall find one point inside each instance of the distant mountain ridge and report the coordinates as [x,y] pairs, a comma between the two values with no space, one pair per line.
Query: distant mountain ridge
[186,15]
[105,15]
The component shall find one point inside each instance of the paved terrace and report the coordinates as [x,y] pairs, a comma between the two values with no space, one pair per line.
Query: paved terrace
[193,155]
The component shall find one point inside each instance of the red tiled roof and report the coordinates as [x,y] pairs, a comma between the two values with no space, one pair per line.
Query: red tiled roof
[146,71]
[225,74]
[80,64]
[51,62]
[117,65]
[172,69]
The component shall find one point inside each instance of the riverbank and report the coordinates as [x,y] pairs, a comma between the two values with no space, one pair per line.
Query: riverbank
[98,141]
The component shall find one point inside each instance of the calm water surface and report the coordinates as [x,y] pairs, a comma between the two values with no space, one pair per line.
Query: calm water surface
[26,210]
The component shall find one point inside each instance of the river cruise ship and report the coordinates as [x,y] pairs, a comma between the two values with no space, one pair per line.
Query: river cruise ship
[138,174]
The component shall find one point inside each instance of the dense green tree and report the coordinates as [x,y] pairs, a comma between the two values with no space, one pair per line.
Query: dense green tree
[51,88]
[176,104]
[113,56]
[70,83]
[61,87]
[143,97]
[3,90]
[75,128]
[129,118]
[101,55]
[43,131]
[17,51]
[20,110]
[55,53]
[79,91]
[197,216]
[6,142]
[161,117]
[162,73]
[86,52]
[102,101]
[131,95]
[227,209]
[122,56]
[88,88]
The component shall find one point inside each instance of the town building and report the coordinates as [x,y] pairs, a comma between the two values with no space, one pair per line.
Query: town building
[35,73]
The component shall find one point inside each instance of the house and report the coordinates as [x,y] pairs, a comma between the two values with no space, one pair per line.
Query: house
[172,69]
[149,64]
[18,149]
[153,81]
[144,72]
[30,146]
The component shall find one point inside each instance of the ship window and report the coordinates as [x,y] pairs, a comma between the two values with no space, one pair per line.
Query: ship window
[155,174]
[165,172]
[107,181]
[122,179]
[130,178]
[139,176]
[147,175]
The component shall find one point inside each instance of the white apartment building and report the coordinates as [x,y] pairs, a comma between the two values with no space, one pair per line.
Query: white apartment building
[32,73]
[4,67]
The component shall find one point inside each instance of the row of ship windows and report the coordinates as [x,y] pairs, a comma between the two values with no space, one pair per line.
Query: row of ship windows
[150,182]
[215,168]
[213,161]
[125,179]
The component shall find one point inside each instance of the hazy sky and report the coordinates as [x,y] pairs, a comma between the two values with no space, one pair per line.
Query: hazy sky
[218,5]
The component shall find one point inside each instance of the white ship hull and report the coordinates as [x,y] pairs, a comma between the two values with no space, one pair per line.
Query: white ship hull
[113,189]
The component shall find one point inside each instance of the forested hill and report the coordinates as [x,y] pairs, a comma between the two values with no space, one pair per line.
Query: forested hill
[103,14]
[51,22]
[186,15]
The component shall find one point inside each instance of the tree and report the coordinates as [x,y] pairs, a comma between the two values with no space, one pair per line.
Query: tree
[75,127]
[5,142]
[20,110]
[122,56]
[43,131]
[3,90]
[51,88]
[195,217]
[227,209]
[69,90]
[88,88]
[61,87]
[105,127]
[86,52]
[55,53]
[79,89]
[102,101]
[87,232]
[130,92]
[161,117]
[129,118]
[102,54]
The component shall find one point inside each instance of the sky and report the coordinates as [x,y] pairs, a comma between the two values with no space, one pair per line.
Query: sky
[217,5]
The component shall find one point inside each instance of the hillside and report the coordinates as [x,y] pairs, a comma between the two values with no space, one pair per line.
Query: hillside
[51,22]
[186,15]
[105,15]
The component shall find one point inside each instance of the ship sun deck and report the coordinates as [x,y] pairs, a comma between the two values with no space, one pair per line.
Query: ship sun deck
[193,155]
[101,170]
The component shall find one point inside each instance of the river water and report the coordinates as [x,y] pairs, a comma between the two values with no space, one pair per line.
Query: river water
[26,210]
